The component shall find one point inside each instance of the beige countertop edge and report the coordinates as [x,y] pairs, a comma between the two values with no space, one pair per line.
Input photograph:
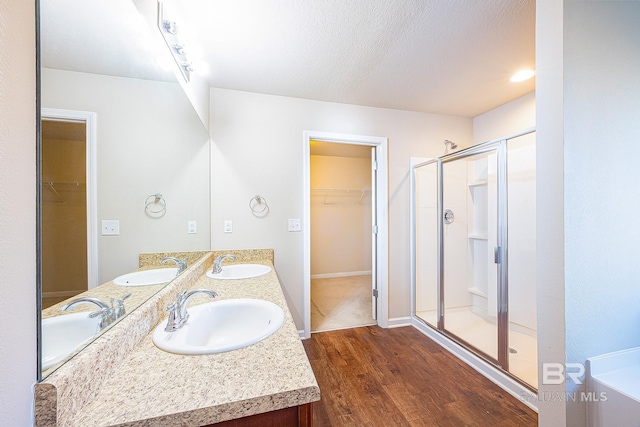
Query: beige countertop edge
[232,410]
[270,375]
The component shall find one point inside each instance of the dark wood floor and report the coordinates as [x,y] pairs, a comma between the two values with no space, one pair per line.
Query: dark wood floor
[398,377]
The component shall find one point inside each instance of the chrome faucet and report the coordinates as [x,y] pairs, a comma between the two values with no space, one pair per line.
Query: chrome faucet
[94,301]
[178,314]
[119,309]
[107,314]
[181,264]
[217,264]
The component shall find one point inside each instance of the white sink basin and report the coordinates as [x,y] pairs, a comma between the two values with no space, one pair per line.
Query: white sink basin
[613,389]
[61,335]
[240,271]
[220,326]
[147,277]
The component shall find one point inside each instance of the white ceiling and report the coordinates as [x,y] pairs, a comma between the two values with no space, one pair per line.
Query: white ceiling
[435,56]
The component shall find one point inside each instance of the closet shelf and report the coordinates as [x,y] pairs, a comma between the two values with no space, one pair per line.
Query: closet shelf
[360,194]
[65,184]
[56,187]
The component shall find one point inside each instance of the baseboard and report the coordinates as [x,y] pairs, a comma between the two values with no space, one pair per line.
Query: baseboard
[502,380]
[343,274]
[397,322]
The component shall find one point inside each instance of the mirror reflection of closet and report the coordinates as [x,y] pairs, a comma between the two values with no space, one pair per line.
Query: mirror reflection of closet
[100,65]
[64,211]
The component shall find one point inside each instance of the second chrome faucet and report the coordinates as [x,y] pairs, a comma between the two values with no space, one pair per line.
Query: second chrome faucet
[217,264]
[180,263]
[178,314]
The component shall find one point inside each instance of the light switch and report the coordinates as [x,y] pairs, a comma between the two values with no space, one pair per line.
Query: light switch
[110,227]
[192,227]
[228,226]
[294,224]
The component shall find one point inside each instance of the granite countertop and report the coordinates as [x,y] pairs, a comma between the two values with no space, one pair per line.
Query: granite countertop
[138,295]
[152,387]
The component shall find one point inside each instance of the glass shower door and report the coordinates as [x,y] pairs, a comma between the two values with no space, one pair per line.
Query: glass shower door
[521,180]
[470,250]
[474,251]
[427,254]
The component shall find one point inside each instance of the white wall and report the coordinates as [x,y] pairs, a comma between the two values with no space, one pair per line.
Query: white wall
[257,149]
[514,116]
[549,203]
[17,212]
[602,196]
[149,141]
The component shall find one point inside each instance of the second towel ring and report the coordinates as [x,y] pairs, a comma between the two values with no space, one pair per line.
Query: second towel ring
[155,199]
[258,205]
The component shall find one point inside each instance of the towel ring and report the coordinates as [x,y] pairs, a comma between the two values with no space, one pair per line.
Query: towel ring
[258,205]
[155,199]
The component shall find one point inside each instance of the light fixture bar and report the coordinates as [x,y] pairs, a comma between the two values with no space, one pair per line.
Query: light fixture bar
[169,30]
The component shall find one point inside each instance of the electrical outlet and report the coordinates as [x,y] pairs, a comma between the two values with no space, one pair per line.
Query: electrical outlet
[294,225]
[192,227]
[110,227]
[228,226]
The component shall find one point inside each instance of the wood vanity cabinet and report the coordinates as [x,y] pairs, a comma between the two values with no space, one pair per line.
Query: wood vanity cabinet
[296,416]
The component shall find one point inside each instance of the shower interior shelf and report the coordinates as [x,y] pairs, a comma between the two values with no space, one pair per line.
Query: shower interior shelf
[478,183]
[478,237]
[358,195]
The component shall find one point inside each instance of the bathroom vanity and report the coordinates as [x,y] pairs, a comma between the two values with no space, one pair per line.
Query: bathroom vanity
[122,378]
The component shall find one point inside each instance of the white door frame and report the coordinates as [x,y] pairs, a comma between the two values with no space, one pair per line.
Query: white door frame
[90,120]
[380,144]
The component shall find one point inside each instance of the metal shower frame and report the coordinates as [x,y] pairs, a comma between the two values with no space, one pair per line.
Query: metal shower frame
[500,252]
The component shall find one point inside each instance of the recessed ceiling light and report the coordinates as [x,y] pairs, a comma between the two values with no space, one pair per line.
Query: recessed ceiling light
[522,75]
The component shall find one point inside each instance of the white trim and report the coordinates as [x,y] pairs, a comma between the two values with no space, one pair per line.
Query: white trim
[90,119]
[380,143]
[398,322]
[495,375]
[343,274]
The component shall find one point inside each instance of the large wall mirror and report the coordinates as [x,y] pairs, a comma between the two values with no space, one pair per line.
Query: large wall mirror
[124,163]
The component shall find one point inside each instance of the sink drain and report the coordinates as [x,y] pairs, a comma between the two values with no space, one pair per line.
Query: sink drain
[512,350]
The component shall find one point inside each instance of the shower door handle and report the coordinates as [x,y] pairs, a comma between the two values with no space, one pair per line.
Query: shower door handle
[497,254]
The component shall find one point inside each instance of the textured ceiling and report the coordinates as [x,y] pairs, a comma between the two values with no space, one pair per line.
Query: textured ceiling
[436,56]
[101,37]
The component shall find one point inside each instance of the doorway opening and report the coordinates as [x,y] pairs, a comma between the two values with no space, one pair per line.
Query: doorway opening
[69,250]
[341,236]
[345,232]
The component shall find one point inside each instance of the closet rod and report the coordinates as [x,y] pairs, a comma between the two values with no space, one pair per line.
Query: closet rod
[327,191]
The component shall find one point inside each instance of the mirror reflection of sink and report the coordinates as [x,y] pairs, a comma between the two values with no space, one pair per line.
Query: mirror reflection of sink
[61,335]
[240,271]
[221,326]
[147,277]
